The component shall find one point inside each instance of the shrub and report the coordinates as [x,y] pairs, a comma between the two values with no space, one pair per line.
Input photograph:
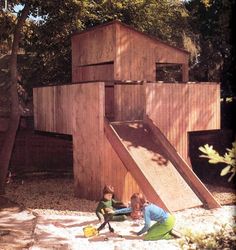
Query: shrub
[222,239]
[228,158]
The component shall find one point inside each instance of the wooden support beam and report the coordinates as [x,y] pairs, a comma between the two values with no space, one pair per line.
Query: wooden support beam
[186,172]
[185,72]
[132,167]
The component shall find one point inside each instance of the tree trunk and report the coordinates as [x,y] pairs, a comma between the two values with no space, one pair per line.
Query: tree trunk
[9,137]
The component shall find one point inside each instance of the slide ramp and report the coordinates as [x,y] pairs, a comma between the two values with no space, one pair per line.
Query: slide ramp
[147,161]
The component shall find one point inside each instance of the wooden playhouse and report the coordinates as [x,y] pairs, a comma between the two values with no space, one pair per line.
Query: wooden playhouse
[129,130]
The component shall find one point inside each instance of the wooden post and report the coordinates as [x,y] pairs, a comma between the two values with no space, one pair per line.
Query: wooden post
[185,72]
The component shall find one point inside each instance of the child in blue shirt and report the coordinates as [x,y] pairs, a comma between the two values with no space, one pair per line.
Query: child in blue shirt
[151,212]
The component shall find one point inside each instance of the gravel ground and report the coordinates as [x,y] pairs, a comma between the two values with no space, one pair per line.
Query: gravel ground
[48,216]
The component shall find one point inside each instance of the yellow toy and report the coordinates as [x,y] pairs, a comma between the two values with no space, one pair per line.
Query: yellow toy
[90,231]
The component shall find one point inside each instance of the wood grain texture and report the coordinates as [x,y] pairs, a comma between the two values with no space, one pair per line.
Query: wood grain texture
[186,172]
[179,108]
[115,173]
[129,102]
[133,53]
[153,171]
[88,139]
[53,108]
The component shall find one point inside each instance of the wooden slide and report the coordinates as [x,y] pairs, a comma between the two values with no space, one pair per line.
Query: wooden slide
[160,172]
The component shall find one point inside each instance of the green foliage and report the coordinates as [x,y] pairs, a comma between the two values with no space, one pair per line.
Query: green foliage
[211,22]
[47,41]
[228,158]
[164,19]
[7,22]
[222,239]
[201,27]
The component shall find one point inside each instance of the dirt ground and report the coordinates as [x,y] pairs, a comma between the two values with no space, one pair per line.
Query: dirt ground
[42,213]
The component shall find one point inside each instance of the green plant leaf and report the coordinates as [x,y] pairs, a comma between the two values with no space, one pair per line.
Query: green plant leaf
[213,161]
[214,158]
[225,170]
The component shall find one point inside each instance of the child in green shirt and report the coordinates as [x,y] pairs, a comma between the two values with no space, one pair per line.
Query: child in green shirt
[108,206]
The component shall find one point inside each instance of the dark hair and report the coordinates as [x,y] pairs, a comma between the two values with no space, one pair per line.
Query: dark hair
[108,189]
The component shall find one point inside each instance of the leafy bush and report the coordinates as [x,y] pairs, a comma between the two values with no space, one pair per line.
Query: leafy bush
[228,158]
[222,239]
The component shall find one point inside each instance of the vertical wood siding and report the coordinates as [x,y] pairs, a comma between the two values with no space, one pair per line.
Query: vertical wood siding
[88,136]
[179,108]
[95,162]
[53,108]
[39,153]
[137,55]
[129,102]
[109,102]
[115,173]
[79,110]
[133,53]
[97,46]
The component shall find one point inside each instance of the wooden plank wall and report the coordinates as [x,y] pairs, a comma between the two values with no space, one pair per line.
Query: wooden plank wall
[133,61]
[137,55]
[79,109]
[179,108]
[53,108]
[129,102]
[93,47]
[133,53]
[99,72]
[109,102]
[40,153]
[115,173]
[95,163]
[88,137]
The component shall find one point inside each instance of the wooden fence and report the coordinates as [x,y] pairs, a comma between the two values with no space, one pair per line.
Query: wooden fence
[35,152]
[53,108]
